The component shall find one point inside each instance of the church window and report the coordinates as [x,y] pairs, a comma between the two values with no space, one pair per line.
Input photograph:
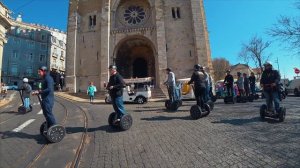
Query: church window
[176,13]
[134,15]
[92,21]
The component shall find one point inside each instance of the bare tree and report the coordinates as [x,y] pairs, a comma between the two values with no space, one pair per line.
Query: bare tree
[220,66]
[254,52]
[287,29]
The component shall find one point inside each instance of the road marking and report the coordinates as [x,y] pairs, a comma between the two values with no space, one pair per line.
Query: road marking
[25,124]
[40,112]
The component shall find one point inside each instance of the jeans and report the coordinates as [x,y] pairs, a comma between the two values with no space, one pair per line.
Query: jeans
[199,94]
[47,111]
[171,92]
[229,90]
[207,95]
[26,103]
[118,106]
[91,99]
[271,97]
[252,87]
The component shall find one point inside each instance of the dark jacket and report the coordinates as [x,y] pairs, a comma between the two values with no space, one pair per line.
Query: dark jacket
[199,79]
[229,80]
[252,80]
[118,83]
[269,77]
[47,91]
[246,83]
[26,90]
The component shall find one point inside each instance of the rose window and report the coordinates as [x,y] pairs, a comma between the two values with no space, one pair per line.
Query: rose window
[134,15]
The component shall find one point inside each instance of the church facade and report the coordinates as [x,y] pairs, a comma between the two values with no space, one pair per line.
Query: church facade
[141,37]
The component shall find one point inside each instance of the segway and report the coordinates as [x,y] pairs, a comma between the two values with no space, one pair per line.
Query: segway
[265,111]
[251,98]
[124,124]
[177,102]
[22,109]
[53,134]
[197,112]
[241,99]
[229,98]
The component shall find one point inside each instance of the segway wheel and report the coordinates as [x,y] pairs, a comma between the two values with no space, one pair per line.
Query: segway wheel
[22,110]
[256,96]
[175,105]
[43,128]
[168,104]
[206,110]
[126,122]
[195,112]
[225,100]
[56,133]
[111,119]
[211,105]
[30,108]
[251,98]
[282,112]
[180,102]
[214,99]
[263,110]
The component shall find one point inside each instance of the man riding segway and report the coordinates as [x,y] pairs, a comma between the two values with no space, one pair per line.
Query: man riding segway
[174,92]
[115,86]
[50,129]
[228,82]
[269,82]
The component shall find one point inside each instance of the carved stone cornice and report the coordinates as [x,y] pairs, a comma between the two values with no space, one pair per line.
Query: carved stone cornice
[129,30]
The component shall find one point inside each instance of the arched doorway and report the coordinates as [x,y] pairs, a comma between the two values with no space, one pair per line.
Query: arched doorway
[135,58]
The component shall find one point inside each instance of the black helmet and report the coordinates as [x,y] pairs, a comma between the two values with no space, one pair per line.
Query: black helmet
[168,69]
[43,68]
[112,67]
[197,67]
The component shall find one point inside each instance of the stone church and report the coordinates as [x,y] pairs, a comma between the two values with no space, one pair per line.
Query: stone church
[141,37]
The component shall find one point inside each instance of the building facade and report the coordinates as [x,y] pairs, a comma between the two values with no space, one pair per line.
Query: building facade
[5,24]
[30,46]
[141,37]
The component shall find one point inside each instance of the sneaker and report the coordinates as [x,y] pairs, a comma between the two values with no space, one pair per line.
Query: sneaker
[116,121]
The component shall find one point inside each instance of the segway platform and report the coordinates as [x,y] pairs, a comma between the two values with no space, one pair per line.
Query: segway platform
[124,124]
[280,115]
[196,112]
[53,134]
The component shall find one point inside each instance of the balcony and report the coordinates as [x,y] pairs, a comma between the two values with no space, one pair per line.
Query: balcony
[55,55]
[62,58]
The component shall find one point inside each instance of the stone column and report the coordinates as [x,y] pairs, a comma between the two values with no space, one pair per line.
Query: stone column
[161,55]
[105,44]
[201,40]
[72,53]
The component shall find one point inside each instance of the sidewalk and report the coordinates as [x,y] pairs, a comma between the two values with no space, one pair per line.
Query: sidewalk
[7,99]
[82,98]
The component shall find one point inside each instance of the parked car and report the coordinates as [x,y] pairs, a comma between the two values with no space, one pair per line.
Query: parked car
[293,87]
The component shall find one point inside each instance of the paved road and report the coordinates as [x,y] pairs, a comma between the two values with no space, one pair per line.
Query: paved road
[231,136]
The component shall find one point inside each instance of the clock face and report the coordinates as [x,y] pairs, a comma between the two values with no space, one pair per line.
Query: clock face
[134,15]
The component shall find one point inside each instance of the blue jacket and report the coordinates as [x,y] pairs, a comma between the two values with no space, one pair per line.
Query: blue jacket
[47,91]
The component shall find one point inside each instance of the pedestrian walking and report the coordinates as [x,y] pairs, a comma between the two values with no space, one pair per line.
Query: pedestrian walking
[26,91]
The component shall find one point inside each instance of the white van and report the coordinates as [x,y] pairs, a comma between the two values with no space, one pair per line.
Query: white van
[294,87]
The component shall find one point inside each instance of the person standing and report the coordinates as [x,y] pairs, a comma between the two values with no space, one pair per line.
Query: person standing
[26,91]
[269,81]
[240,83]
[170,82]
[91,91]
[47,93]
[198,78]
[115,87]
[208,84]
[252,81]
[228,82]
[246,84]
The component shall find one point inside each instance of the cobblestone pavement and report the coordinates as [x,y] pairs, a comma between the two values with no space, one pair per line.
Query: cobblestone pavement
[231,136]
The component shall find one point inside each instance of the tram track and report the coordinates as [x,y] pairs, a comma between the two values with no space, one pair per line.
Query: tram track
[76,160]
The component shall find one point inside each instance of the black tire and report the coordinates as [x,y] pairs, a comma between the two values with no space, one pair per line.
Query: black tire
[225,100]
[175,105]
[140,100]
[296,92]
[263,110]
[207,110]
[211,105]
[214,98]
[111,119]
[251,98]
[195,112]
[126,122]
[256,96]
[282,113]
[107,101]
[168,104]
[22,110]
[42,128]
[56,133]
[180,102]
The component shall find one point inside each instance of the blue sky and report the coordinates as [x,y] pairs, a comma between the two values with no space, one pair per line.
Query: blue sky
[230,23]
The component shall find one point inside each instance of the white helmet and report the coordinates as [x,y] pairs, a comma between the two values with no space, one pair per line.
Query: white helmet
[25,80]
